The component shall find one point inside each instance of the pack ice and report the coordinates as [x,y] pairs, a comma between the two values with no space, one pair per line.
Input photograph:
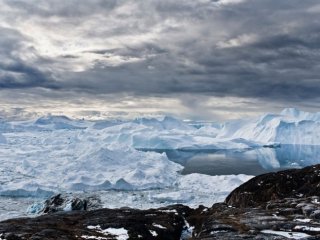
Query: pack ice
[55,153]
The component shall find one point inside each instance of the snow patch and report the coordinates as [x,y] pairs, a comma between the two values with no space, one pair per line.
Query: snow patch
[158,226]
[153,233]
[120,233]
[306,228]
[291,235]
[306,220]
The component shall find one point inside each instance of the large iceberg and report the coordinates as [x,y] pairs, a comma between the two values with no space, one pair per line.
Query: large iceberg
[84,167]
[291,126]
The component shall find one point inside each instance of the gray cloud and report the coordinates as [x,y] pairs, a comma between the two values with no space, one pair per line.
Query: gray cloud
[14,72]
[20,75]
[264,50]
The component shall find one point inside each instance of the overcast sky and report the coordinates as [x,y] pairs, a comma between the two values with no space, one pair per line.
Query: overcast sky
[194,59]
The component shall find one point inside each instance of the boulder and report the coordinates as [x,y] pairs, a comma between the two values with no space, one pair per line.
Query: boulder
[66,202]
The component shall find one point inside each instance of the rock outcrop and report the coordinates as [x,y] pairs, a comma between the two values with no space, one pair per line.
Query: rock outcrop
[283,205]
[163,223]
[293,183]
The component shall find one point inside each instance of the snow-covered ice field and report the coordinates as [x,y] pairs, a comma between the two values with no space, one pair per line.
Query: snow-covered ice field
[56,154]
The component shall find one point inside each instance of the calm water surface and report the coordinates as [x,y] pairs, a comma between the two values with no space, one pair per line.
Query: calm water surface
[251,162]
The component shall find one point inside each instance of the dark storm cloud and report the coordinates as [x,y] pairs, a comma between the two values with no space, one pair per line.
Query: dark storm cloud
[20,75]
[61,8]
[14,72]
[253,49]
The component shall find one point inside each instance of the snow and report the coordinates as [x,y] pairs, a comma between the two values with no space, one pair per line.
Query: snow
[158,226]
[306,228]
[153,233]
[94,237]
[98,227]
[120,233]
[291,235]
[305,220]
[2,236]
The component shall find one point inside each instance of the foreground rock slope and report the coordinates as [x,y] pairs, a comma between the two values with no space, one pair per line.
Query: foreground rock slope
[283,205]
[290,183]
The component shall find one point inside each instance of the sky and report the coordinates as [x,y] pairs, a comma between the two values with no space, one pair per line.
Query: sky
[193,59]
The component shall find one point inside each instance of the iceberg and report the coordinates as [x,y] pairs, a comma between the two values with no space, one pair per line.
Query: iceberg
[59,122]
[167,123]
[123,169]
[122,158]
[300,115]
[3,140]
[291,126]
[65,164]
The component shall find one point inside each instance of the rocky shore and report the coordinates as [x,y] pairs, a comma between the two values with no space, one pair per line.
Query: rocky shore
[283,205]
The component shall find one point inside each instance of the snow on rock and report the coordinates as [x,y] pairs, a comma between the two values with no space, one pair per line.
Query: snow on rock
[306,228]
[290,235]
[158,226]
[119,233]
[153,233]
